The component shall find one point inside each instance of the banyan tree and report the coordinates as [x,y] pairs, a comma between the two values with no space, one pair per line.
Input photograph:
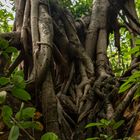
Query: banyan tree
[66,67]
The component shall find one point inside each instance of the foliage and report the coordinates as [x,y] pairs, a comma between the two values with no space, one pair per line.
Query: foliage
[18,86]
[14,133]
[5,48]
[6,17]
[16,79]
[104,123]
[78,7]
[136,51]
[2,96]
[132,80]
[138,7]
[23,119]
[120,60]
[49,136]
[7,113]
[135,77]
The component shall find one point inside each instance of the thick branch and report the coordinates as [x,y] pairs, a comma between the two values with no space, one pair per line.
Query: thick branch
[13,38]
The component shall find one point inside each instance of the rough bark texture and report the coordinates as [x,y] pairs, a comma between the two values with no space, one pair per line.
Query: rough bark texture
[70,73]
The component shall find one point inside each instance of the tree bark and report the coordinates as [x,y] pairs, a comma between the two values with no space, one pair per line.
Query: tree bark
[69,67]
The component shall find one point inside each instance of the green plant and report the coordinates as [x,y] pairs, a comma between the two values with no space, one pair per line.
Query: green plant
[132,80]
[49,136]
[6,49]
[6,16]
[17,85]
[135,77]
[23,119]
[78,7]
[120,59]
[105,124]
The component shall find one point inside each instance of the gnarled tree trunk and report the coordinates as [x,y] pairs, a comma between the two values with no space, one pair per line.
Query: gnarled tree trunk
[72,74]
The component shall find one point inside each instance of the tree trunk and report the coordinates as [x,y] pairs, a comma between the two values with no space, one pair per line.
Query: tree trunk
[70,69]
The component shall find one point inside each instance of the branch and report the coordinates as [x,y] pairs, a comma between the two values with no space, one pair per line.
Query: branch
[13,38]
[20,126]
[15,64]
[123,105]
[117,7]
[128,72]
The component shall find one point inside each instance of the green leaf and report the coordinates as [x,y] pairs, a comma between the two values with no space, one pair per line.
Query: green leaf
[132,80]
[7,114]
[105,122]
[125,87]
[26,113]
[2,96]
[18,114]
[138,40]
[49,136]
[137,54]
[5,55]
[11,50]
[118,124]
[94,124]
[95,138]
[137,94]
[20,73]
[4,81]
[135,49]
[18,81]
[14,133]
[135,75]
[3,43]
[29,124]
[21,94]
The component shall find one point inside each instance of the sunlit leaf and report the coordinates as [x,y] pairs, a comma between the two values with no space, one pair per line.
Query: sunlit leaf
[135,49]
[94,124]
[135,75]
[105,122]
[125,87]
